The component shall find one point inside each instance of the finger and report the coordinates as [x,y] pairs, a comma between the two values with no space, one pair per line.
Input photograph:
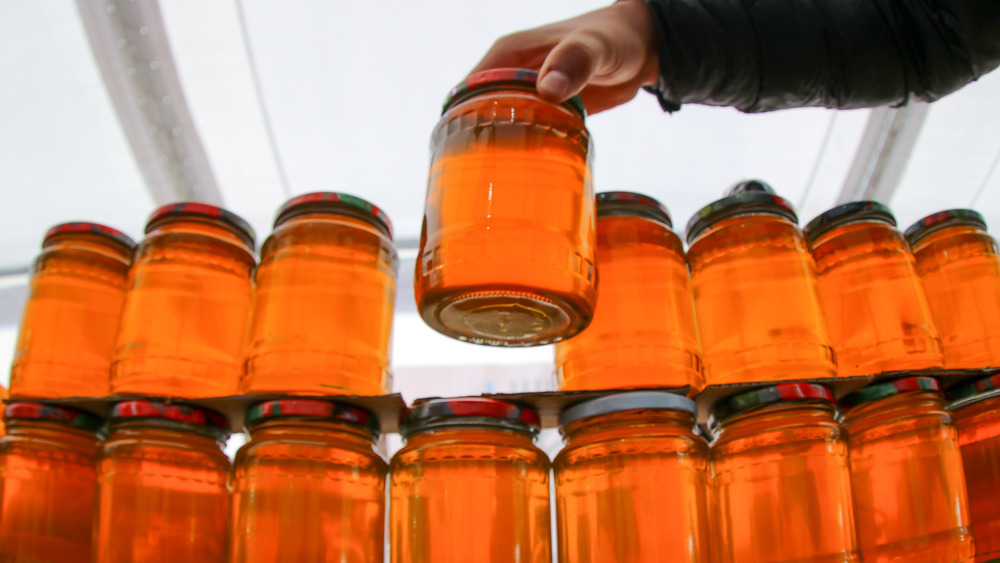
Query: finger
[570,66]
[526,49]
[599,98]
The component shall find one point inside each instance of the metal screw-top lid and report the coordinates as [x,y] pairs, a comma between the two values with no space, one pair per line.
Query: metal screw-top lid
[942,219]
[634,400]
[336,203]
[315,409]
[188,209]
[22,410]
[750,198]
[200,417]
[744,186]
[780,393]
[441,411]
[885,389]
[848,213]
[969,390]
[498,78]
[611,204]
[84,227]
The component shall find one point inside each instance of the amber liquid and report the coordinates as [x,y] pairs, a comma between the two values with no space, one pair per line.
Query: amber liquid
[756,304]
[163,497]
[71,320]
[874,305]
[978,428]
[633,487]
[465,494]
[781,488]
[507,248]
[643,332]
[960,271]
[909,487]
[308,492]
[47,482]
[185,315]
[322,309]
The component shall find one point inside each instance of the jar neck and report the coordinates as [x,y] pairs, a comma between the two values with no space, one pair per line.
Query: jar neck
[470,429]
[947,232]
[205,226]
[285,428]
[54,433]
[978,411]
[348,218]
[774,416]
[756,217]
[502,87]
[167,431]
[96,244]
[883,411]
[632,422]
[875,226]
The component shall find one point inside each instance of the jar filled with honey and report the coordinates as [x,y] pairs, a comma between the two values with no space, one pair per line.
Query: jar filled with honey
[780,477]
[308,486]
[187,306]
[322,313]
[507,248]
[643,332]
[163,485]
[629,456]
[875,308]
[976,410]
[754,285]
[910,500]
[47,482]
[469,485]
[959,265]
[71,318]
[3,396]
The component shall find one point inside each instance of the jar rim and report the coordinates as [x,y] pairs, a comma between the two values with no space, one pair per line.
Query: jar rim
[89,228]
[199,419]
[883,389]
[335,203]
[497,78]
[319,410]
[941,220]
[766,396]
[479,410]
[627,401]
[739,204]
[632,204]
[848,213]
[195,210]
[75,418]
[964,393]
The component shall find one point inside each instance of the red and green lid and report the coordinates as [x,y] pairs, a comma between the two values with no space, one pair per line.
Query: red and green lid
[195,416]
[78,227]
[316,409]
[497,79]
[18,410]
[193,209]
[750,197]
[780,393]
[848,213]
[479,409]
[969,390]
[611,204]
[941,220]
[884,389]
[336,203]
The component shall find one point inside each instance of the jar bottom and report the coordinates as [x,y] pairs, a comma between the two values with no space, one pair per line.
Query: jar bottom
[173,377]
[58,380]
[949,546]
[504,316]
[313,373]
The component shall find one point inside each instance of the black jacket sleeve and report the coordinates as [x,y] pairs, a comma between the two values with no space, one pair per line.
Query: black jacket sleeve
[763,55]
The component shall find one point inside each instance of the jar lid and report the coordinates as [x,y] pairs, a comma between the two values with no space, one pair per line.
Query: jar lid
[611,204]
[432,411]
[496,78]
[942,219]
[311,408]
[55,413]
[748,202]
[885,389]
[77,227]
[633,400]
[335,203]
[848,213]
[971,389]
[237,225]
[214,422]
[780,393]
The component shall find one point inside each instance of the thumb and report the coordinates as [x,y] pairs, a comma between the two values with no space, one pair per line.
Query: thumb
[569,67]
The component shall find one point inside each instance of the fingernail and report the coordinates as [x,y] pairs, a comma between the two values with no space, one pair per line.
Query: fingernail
[555,83]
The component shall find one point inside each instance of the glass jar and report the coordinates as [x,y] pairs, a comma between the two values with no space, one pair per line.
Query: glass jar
[71,318]
[976,410]
[906,472]
[507,247]
[754,285]
[875,307]
[164,485]
[3,396]
[47,465]
[643,333]
[610,495]
[308,486]
[322,313]
[959,265]
[469,485]
[780,477]
[187,306]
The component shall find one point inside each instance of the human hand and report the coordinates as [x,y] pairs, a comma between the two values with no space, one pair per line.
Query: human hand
[605,56]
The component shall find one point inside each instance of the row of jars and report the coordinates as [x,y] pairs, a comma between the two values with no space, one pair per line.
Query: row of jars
[785,479]
[189,314]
